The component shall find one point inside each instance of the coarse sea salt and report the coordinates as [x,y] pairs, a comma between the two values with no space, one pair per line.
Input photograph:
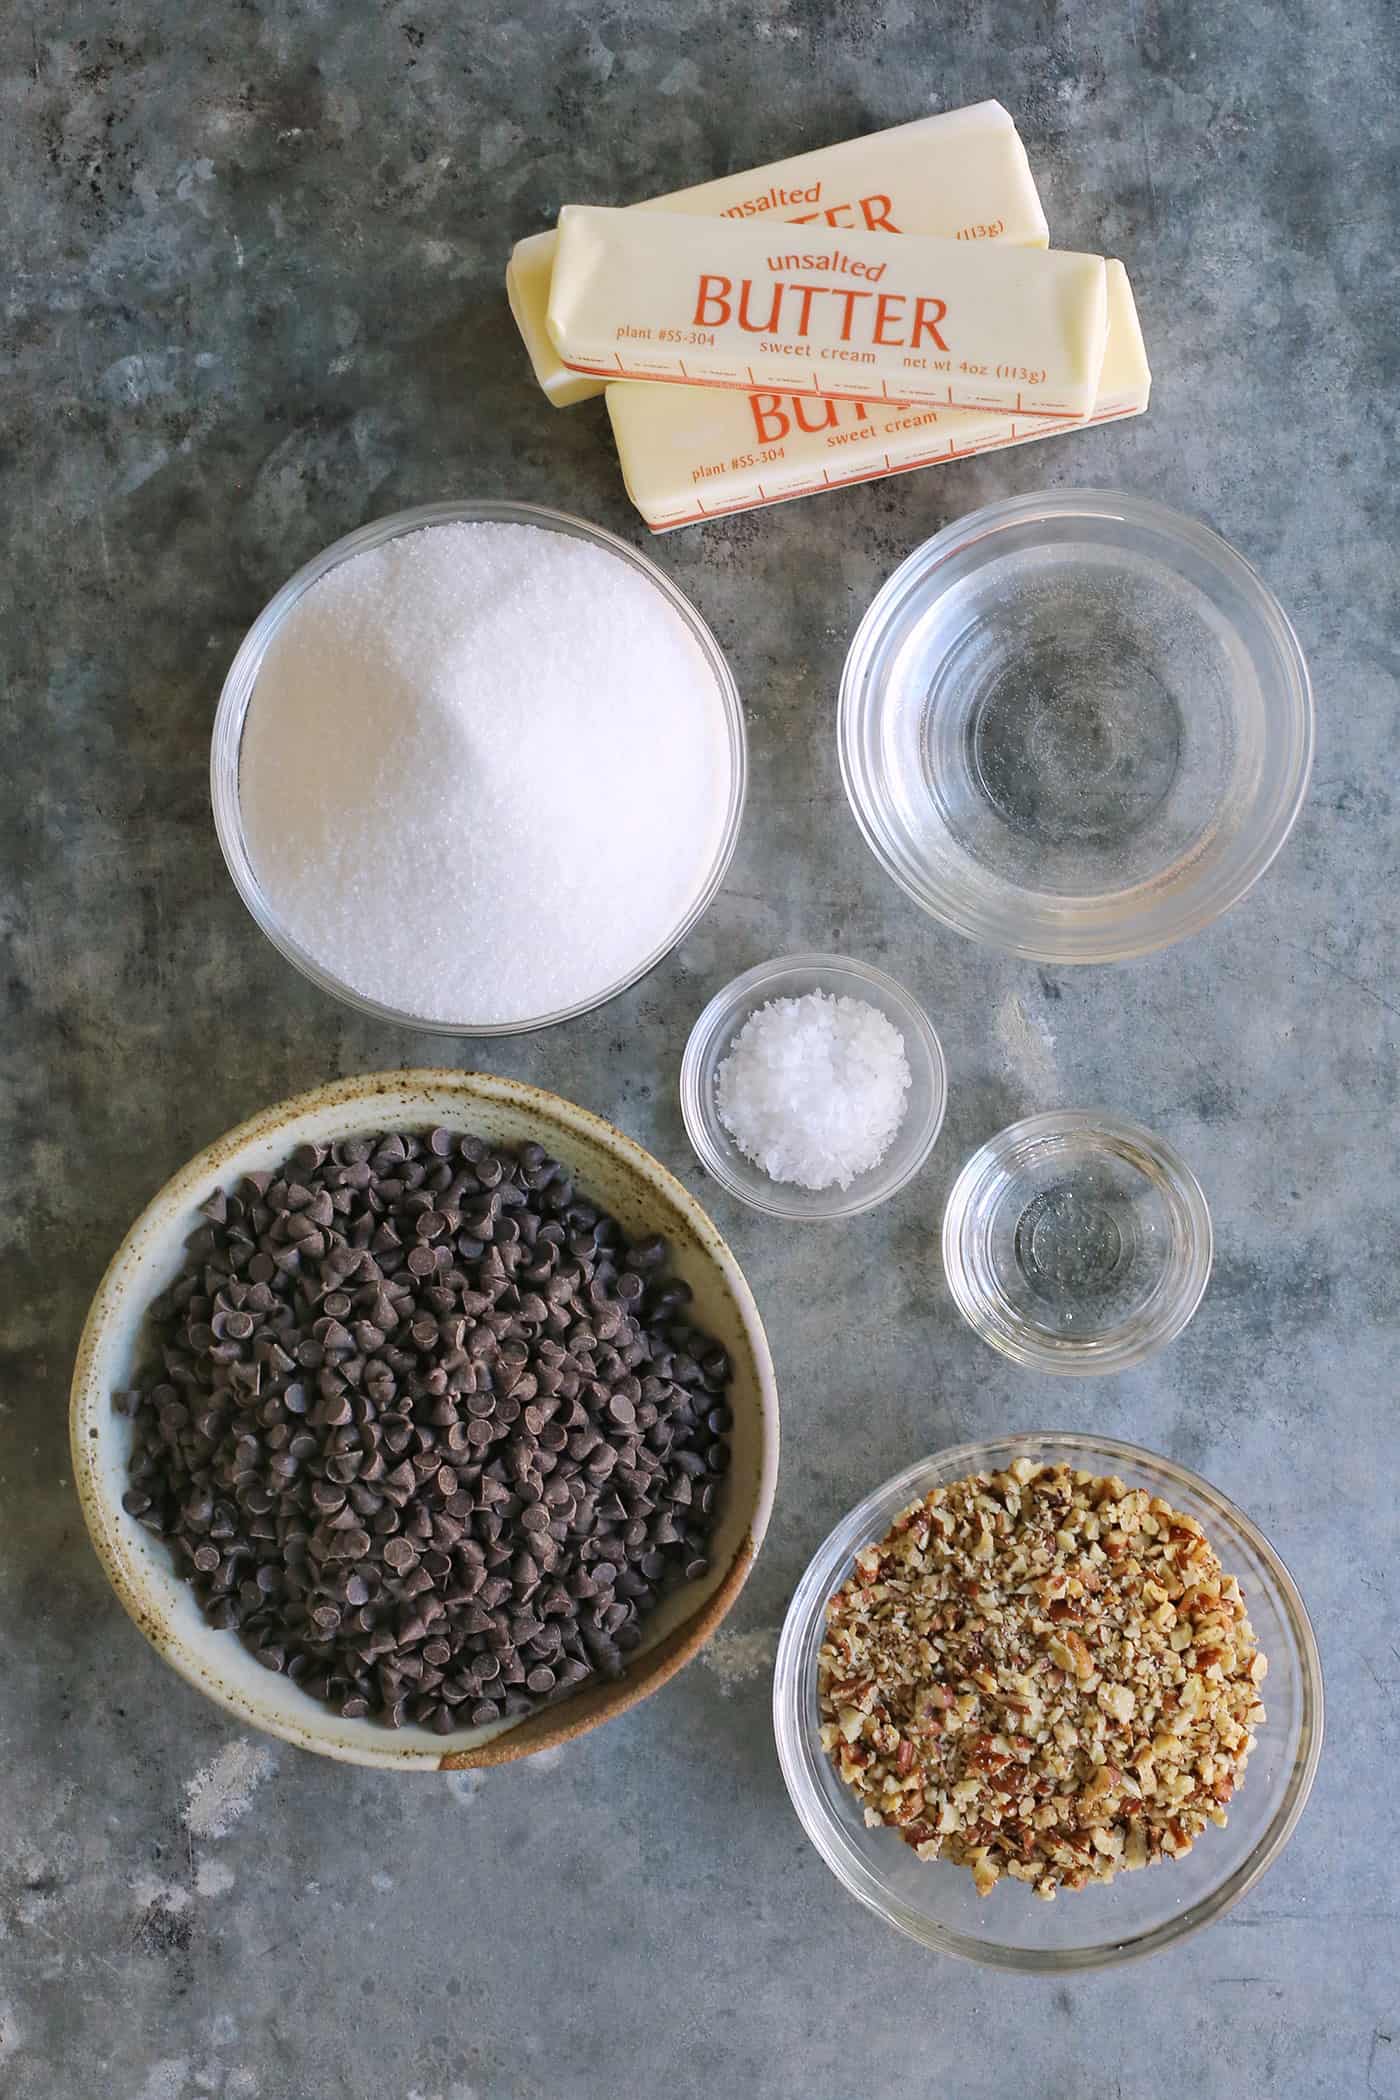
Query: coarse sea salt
[813,1090]
[484,774]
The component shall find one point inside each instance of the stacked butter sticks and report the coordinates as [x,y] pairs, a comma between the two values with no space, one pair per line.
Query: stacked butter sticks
[760,337]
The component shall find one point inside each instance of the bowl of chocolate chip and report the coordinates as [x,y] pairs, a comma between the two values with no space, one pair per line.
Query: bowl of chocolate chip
[425,1421]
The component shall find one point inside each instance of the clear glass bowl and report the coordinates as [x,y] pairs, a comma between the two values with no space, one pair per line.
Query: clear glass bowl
[1076,1241]
[1075,725]
[237,695]
[792,977]
[934,1901]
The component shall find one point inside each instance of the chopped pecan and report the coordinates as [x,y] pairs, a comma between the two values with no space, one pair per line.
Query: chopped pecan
[1096,1623]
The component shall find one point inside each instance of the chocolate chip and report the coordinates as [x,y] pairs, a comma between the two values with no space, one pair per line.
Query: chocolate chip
[427,1422]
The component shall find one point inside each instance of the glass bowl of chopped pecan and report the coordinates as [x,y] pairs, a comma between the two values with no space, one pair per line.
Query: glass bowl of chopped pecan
[1048,1667]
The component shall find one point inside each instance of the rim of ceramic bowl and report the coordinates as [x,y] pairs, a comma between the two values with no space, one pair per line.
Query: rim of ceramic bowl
[236,697]
[145,1589]
[699,1114]
[1098,938]
[1174,1301]
[800,1753]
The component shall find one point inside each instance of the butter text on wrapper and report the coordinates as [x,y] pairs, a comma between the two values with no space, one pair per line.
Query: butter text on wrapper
[789,307]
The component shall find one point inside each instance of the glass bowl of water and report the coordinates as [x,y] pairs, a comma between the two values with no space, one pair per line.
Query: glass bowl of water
[1075,725]
[1077,1242]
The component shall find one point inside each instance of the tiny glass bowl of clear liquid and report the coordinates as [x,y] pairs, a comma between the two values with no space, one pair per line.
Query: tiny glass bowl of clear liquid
[1076,1242]
[1075,725]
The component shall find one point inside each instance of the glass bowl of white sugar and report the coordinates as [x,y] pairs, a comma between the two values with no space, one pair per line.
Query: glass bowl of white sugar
[813,1087]
[477,768]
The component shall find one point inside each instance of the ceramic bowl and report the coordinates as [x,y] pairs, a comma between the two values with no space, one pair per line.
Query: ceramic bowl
[612,1171]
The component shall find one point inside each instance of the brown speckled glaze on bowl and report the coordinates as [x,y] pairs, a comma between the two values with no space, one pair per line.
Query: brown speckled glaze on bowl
[612,1171]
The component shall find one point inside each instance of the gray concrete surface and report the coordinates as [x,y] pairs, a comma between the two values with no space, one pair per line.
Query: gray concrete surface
[251,279]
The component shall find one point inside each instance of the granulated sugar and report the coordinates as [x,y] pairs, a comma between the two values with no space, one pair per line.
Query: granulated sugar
[484,772]
[813,1089]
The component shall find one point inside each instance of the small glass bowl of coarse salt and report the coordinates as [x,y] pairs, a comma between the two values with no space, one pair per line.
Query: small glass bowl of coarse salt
[813,1087]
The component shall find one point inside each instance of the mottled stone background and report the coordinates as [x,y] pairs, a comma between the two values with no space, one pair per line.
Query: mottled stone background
[251,282]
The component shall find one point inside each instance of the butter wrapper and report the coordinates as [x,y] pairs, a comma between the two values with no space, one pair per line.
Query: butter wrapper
[691,453]
[963,175]
[709,302]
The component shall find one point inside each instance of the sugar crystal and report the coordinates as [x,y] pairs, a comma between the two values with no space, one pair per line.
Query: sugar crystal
[484,772]
[813,1089]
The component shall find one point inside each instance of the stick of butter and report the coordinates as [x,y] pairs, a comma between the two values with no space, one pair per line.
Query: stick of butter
[689,453]
[963,175]
[711,302]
